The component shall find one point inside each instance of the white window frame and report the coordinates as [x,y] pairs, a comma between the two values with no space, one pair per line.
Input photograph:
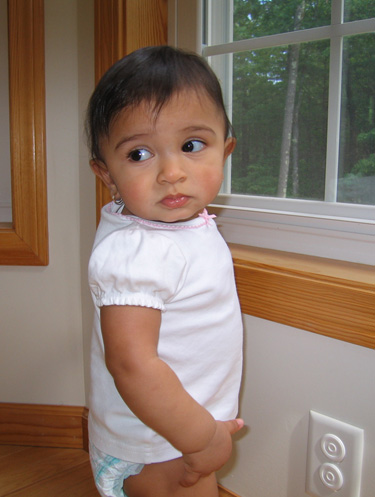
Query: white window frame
[325,229]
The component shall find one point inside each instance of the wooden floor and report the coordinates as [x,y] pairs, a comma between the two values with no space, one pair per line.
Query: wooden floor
[45,472]
[49,472]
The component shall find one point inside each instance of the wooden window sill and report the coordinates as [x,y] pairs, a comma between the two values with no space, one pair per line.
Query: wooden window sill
[329,297]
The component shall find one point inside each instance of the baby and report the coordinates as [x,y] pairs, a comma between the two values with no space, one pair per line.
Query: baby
[167,341]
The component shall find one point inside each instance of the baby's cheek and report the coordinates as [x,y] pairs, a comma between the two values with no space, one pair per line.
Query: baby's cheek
[137,191]
[214,177]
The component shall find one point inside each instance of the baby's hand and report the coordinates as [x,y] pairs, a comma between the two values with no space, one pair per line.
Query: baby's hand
[213,456]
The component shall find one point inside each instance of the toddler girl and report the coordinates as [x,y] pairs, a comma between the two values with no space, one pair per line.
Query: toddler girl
[167,341]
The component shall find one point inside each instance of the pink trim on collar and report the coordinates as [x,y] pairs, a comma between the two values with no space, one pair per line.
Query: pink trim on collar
[206,216]
[169,226]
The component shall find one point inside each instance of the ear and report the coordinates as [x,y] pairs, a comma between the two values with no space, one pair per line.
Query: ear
[101,171]
[229,146]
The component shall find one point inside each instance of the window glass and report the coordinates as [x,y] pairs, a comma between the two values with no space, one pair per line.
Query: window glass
[254,18]
[357,143]
[355,10]
[280,99]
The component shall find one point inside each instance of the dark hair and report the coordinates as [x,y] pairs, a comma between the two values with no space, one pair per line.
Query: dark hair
[151,74]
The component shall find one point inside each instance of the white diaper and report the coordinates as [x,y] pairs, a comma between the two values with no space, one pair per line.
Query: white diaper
[110,472]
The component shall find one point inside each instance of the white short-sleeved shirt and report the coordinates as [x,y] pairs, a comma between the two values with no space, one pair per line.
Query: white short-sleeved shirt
[185,270]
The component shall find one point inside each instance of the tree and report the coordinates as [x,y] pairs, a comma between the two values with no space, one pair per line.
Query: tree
[293,58]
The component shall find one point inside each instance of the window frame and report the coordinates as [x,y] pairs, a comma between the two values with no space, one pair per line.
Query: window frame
[318,228]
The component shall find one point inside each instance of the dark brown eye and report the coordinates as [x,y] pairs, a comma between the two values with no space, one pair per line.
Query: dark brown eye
[140,154]
[192,146]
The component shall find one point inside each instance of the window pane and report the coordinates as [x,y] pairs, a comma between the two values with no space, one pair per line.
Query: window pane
[267,105]
[255,18]
[355,10]
[357,144]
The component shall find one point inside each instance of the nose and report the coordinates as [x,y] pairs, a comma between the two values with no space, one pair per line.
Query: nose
[171,171]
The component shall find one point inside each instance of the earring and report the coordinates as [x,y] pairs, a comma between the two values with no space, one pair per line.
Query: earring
[118,201]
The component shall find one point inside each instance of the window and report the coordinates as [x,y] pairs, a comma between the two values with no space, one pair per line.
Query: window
[298,78]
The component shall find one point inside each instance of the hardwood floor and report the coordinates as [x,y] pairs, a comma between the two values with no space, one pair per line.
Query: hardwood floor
[49,472]
[45,472]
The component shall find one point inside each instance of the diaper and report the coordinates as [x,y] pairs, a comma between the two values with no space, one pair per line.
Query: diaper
[110,472]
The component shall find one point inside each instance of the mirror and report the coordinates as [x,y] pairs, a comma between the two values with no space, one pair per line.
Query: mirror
[24,241]
[5,184]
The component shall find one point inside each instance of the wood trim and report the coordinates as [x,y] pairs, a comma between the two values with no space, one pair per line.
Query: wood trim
[109,47]
[25,240]
[122,26]
[85,429]
[43,425]
[146,23]
[329,297]
[224,492]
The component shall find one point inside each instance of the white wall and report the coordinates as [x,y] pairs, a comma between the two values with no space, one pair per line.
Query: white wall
[41,340]
[288,372]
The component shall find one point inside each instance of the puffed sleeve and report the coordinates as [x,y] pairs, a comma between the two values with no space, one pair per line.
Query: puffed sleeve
[136,267]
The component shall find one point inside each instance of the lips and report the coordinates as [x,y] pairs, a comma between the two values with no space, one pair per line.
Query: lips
[175,201]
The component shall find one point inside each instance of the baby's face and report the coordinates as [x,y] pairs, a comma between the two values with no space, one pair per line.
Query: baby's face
[169,168]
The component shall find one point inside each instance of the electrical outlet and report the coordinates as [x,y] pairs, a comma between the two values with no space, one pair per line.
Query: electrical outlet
[334,457]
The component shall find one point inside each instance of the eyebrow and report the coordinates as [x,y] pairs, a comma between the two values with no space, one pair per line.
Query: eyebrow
[130,138]
[199,128]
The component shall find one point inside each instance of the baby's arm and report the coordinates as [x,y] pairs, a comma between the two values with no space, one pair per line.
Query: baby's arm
[156,396]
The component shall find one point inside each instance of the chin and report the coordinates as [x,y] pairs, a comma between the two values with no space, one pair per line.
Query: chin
[175,217]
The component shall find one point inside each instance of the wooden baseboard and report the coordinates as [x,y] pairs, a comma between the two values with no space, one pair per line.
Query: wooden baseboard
[223,492]
[43,425]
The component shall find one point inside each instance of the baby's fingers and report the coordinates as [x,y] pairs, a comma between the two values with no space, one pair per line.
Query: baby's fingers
[234,425]
[189,478]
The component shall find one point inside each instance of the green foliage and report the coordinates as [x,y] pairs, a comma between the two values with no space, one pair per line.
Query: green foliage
[365,167]
[355,189]
[367,138]
[255,183]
